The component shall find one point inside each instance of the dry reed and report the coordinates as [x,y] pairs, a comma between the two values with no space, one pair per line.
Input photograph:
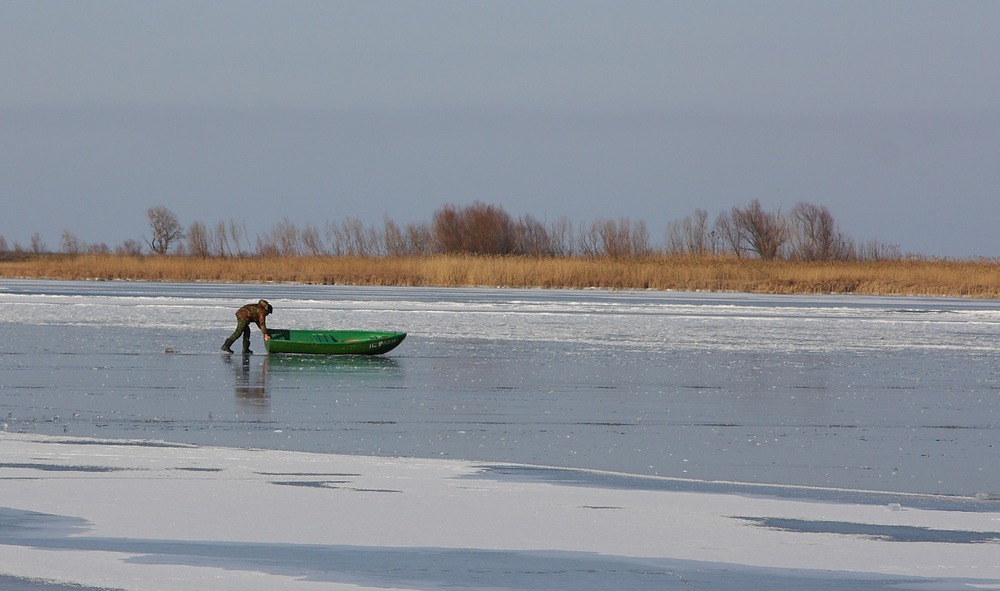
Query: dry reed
[931,277]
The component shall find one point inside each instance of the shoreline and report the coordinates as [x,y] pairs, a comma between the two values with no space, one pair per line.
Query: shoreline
[973,279]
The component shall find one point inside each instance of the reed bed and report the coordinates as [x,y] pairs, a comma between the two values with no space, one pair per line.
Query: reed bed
[927,277]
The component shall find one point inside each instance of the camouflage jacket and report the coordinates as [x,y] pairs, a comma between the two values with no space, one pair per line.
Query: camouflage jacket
[253,313]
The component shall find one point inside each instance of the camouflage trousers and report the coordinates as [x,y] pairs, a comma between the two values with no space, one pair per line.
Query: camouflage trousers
[242,328]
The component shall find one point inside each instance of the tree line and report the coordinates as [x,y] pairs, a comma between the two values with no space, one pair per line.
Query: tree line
[807,232]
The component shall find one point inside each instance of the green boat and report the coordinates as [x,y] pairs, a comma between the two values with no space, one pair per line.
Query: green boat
[333,342]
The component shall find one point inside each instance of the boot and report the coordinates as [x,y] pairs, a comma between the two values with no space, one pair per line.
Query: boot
[226,346]
[246,345]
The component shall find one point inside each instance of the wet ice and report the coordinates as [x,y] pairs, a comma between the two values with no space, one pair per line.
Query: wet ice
[855,392]
[865,409]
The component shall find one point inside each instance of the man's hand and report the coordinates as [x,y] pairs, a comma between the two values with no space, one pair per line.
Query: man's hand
[267,337]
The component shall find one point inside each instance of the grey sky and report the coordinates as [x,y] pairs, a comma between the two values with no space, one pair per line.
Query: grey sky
[886,112]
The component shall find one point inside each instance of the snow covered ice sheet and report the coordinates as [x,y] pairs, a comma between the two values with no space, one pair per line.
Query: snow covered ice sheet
[144,515]
[519,439]
[842,391]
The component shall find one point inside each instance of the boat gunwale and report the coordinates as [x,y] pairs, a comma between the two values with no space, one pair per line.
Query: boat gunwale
[378,342]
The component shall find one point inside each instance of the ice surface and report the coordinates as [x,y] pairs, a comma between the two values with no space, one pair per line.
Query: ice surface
[896,394]
[130,515]
[854,436]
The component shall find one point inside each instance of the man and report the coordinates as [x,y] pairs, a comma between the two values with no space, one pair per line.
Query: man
[244,316]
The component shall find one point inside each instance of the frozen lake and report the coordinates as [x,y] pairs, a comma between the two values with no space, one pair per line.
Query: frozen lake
[518,439]
[882,394]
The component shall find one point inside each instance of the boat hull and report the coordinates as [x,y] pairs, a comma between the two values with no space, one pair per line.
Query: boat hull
[333,342]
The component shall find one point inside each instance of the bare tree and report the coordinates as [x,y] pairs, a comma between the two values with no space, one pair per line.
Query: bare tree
[639,239]
[220,241]
[199,243]
[696,232]
[814,234]
[588,239]
[3,244]
[614,238]
[238,234]
[395,243]
[623,238]
[561,237]
[165,227]
[761,232]
[690,235]
[266,247]
[531,237]
[285,236]
[727,234]
[675,239]
[447,229]
[359,240]
[37,246]
[477,229]
[312,244]
[70,243]
[334,239]
[489,230]
[130,247]
[874,250]
[419,239]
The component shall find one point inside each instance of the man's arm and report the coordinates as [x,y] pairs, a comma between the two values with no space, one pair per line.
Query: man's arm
[262,314]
